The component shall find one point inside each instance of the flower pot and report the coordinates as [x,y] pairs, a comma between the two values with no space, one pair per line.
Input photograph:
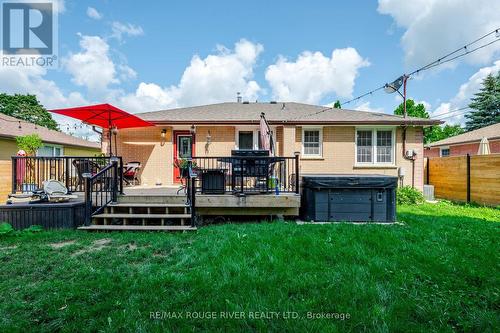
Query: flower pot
[28,187]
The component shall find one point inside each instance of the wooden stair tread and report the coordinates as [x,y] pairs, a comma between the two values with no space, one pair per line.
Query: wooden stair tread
[152,205]
[138,227]
[142,216]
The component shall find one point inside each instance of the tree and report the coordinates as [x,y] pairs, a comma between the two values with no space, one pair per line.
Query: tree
[337,105]
[431,134]
[28,108]
[442,132]
[29,143]
[486,104]
[412,109]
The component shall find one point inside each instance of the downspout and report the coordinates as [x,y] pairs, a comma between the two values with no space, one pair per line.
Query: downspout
[412,158]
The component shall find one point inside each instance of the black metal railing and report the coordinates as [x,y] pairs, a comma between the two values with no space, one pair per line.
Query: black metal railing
[246,174]
[191,192]
[101,189]
[29,173]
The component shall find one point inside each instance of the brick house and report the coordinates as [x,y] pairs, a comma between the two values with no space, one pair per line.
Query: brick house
[466,143]
[328,140]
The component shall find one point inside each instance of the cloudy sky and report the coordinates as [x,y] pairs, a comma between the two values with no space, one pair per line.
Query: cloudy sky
[145,57]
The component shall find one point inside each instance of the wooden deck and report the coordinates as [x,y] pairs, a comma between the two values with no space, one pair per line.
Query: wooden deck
[286,204]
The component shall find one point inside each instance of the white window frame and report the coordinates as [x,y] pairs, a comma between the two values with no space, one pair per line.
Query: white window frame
[255,130]
[53,146]
[441,151]
[320,129]
[374,161]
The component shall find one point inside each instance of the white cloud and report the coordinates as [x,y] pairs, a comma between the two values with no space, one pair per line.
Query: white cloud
[313,76]
[215,78]
[92,67]
[30,80]
[93,13]
[367,107]
[435,27]
[120,29]
[464,94]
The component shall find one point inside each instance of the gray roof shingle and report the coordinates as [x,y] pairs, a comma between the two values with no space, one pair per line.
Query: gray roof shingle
[9,127]
[288,112]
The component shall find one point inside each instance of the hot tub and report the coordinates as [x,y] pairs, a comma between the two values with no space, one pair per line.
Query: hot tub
[355,198]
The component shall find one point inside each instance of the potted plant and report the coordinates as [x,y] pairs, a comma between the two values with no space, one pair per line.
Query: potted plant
[183,165]
[30,144]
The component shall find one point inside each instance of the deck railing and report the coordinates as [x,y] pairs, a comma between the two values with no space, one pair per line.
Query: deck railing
[29,173]
[246,174]
[101,189]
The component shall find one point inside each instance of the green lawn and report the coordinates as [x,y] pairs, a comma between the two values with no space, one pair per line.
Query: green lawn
[439,270]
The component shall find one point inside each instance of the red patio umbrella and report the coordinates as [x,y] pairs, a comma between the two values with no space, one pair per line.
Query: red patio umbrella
[104,116]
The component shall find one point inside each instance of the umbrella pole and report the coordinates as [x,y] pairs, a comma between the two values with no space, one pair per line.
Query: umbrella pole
[110,135]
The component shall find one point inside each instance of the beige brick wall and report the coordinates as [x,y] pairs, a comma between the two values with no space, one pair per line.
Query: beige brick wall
[145,145]
[222,140]
[339,154]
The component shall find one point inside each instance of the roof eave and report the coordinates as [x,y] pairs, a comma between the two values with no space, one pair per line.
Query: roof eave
[296,122]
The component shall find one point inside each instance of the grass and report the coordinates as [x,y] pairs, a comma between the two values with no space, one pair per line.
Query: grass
[437,271]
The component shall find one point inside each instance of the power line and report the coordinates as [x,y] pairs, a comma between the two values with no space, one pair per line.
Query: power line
[454,113]
[441,60]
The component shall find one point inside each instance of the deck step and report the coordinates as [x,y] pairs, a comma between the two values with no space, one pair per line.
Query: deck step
[137,228]
[151,205]
[142,216]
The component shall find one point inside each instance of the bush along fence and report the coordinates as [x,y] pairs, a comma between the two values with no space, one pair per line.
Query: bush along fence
[465,178]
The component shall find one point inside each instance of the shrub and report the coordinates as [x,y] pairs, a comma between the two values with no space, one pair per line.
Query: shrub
[5,228]
[408,195]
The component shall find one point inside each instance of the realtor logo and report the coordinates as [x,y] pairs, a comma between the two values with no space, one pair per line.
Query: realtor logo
[29,28]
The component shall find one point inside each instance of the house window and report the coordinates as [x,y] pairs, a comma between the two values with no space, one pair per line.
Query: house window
[444,152]
[245,140]
[384,146]
[364,142]
[311,142]
[50,151]
[375,146]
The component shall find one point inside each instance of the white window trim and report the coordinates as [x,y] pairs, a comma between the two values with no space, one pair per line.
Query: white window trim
[255,130]
[307,128]
[374,146]
[441,151]
[53,146]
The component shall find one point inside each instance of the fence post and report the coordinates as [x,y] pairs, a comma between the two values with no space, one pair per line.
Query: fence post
[427,171]
[468,178]
[297,175]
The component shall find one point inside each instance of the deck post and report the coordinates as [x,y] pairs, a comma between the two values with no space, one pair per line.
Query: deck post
[297,176]
[66,172]
[120,174]
[14,174]
[88,201]
[114,192]
[193,201]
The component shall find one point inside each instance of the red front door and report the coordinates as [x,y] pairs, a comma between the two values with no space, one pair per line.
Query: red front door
[183,149]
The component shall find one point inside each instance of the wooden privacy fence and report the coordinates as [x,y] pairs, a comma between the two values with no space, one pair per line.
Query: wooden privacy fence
[5,180]
[465,178]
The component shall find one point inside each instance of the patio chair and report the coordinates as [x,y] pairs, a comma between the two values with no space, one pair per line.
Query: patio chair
[84,166]
[131,173]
